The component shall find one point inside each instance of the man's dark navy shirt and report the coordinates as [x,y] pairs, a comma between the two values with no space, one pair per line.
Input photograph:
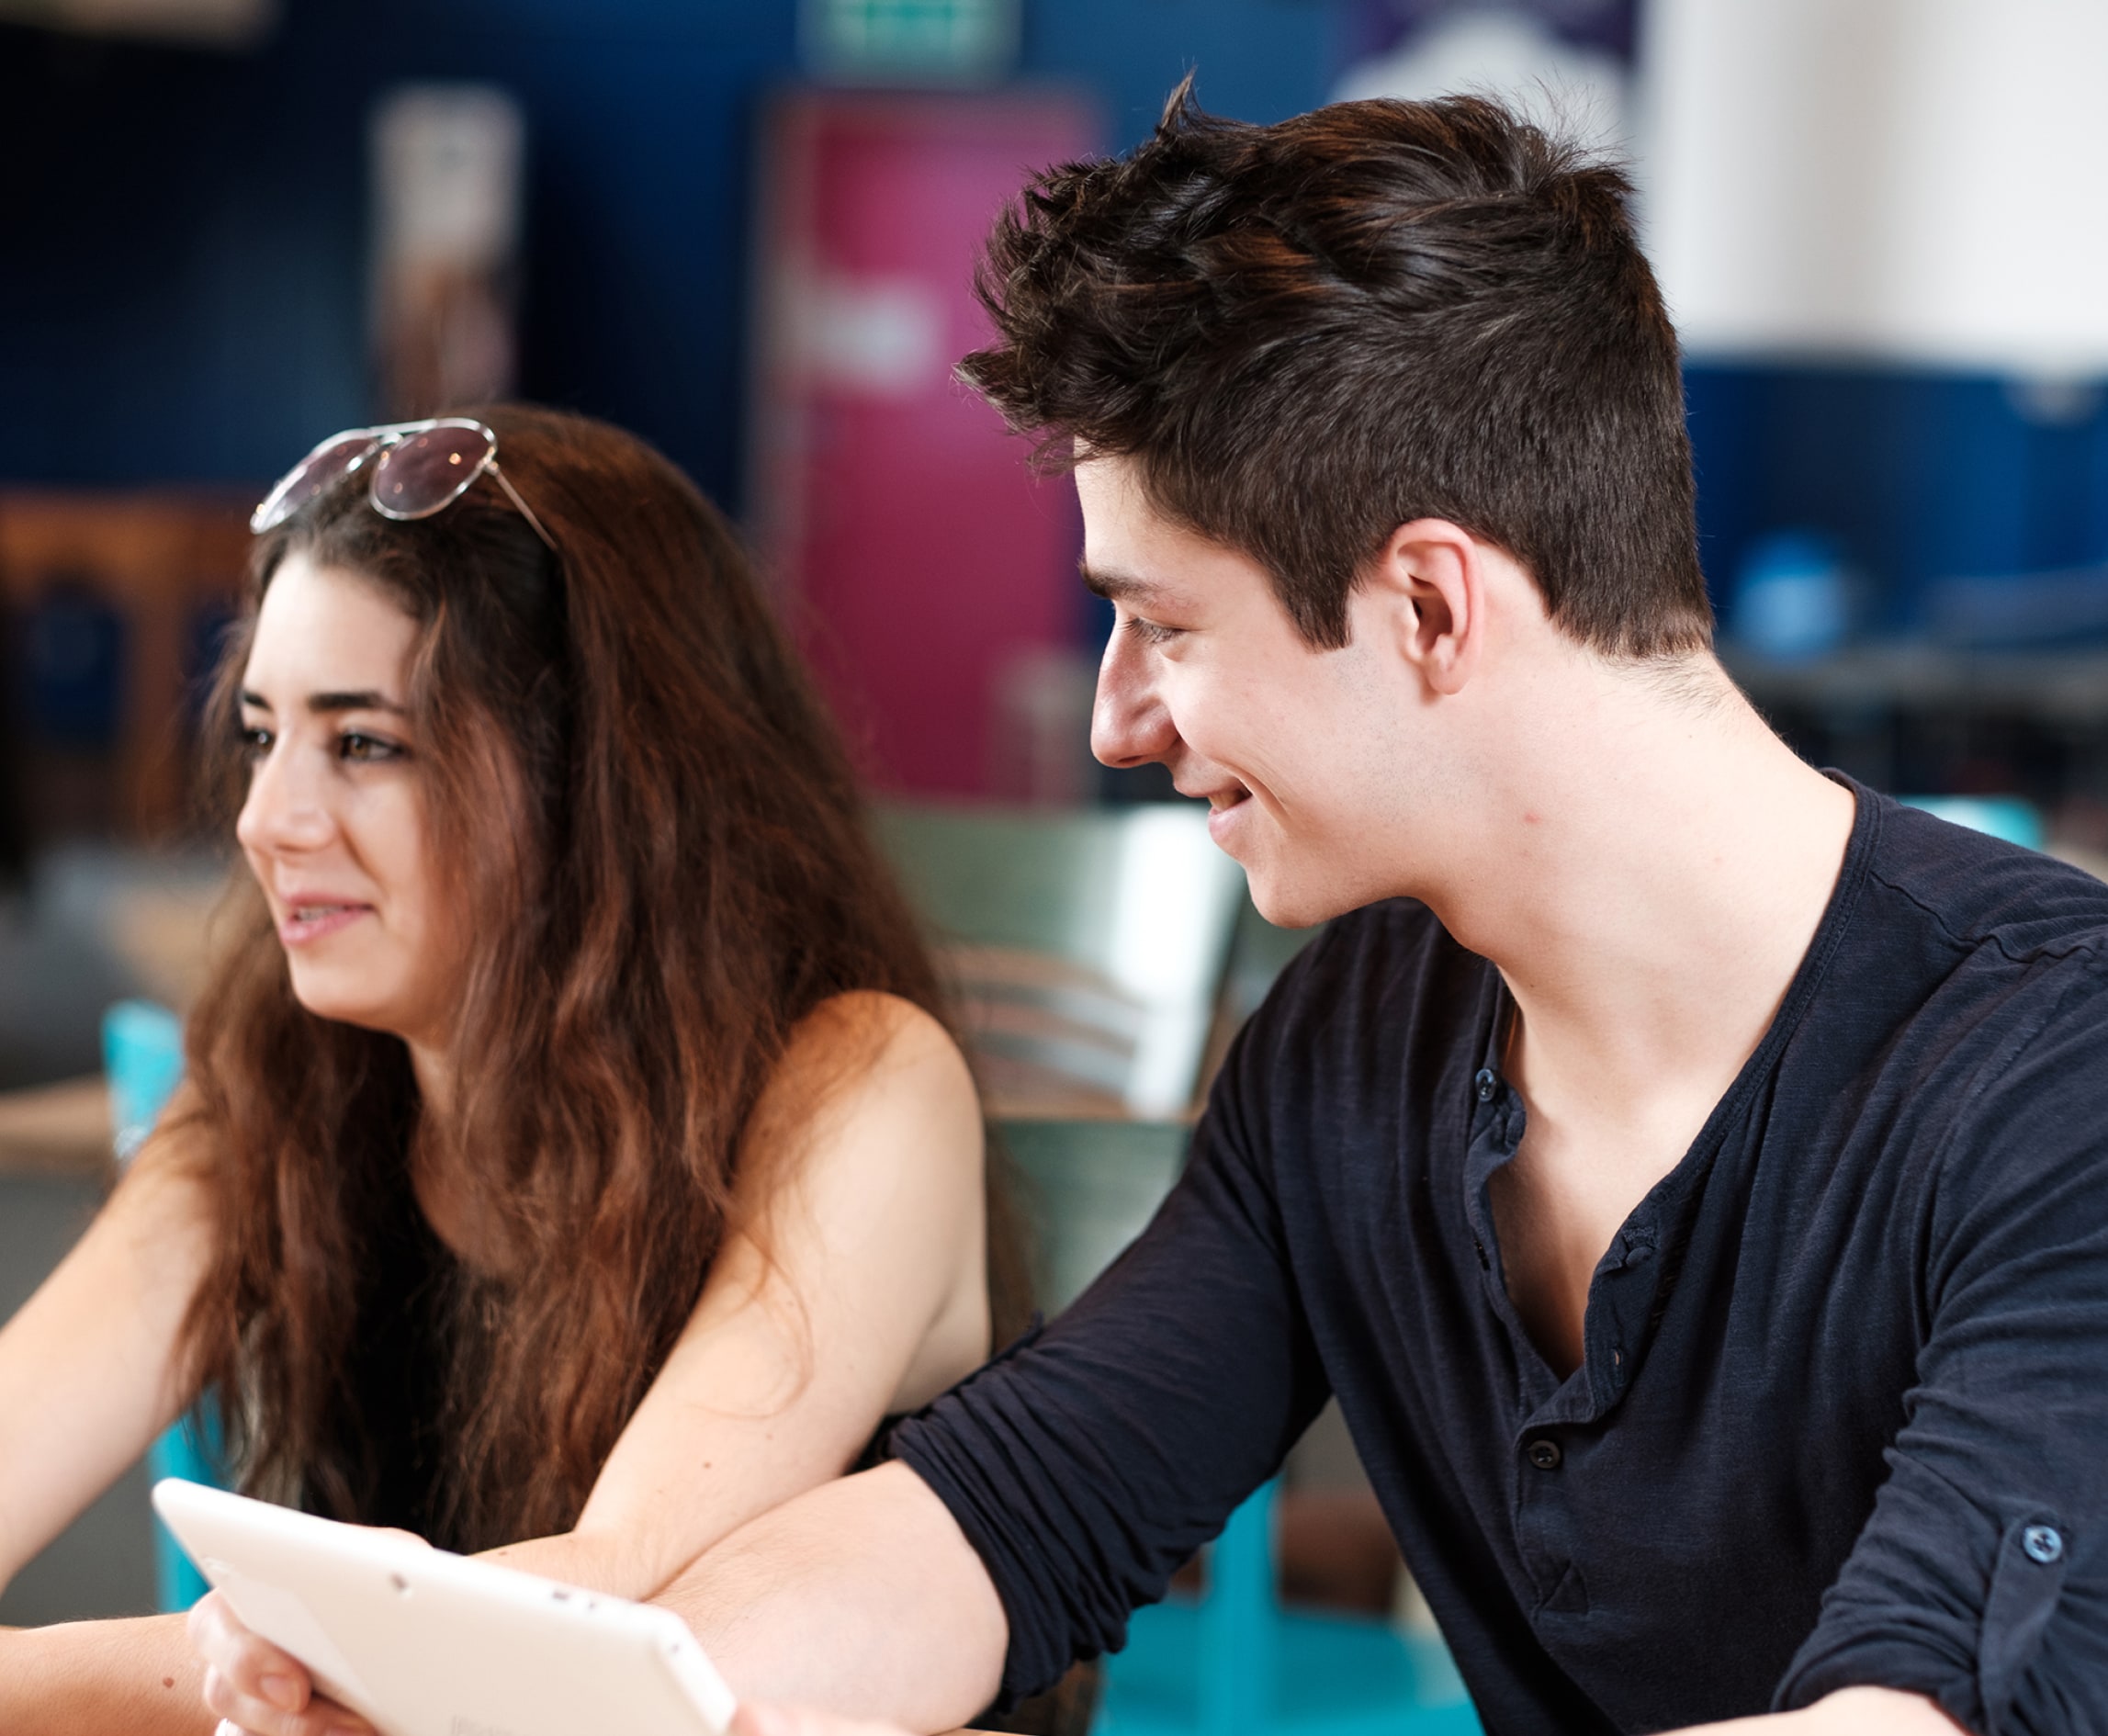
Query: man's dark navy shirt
[1843,1417]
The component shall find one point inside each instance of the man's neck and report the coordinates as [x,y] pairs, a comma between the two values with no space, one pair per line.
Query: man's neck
[1648,882]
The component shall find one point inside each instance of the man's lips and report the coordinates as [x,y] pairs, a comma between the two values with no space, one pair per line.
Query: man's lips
[310,919]
[1223,795]
[1222,806]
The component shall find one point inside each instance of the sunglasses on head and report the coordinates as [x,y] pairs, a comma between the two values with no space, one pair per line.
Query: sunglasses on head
[414,469]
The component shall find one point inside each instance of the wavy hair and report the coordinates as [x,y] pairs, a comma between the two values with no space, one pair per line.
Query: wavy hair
[636,798]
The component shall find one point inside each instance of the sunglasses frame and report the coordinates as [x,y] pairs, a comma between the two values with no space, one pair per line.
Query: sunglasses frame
[293,490]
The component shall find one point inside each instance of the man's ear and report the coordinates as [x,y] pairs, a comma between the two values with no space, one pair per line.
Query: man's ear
[1428,581]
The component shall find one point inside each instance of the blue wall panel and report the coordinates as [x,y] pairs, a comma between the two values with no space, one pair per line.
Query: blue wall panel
[182,271]
[182,260]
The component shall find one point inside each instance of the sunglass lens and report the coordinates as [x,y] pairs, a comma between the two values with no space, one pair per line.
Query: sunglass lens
[416,477]
[311,476]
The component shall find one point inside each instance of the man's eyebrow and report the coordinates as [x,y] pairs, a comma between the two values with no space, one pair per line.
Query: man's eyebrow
[1117,587]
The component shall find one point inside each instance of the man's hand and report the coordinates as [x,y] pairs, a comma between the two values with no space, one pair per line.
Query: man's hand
[1860,1711]
[254,1688]
[802,1720]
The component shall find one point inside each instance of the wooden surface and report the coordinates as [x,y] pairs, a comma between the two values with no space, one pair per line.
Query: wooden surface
[56,1130]
[158,557]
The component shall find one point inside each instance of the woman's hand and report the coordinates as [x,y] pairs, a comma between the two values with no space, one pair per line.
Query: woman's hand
[254,1688]
[257,1690]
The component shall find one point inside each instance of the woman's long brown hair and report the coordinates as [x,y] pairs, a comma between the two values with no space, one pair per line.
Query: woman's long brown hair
[638,807]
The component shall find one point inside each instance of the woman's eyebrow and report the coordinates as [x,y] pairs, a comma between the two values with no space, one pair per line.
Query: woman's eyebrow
[367,700]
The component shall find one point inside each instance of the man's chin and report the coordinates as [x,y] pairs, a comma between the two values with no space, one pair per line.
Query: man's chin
[1285,904]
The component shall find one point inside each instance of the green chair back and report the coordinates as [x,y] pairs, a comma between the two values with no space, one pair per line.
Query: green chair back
[1086,945]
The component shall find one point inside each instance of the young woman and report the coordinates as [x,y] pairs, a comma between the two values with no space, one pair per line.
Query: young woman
[571,1160]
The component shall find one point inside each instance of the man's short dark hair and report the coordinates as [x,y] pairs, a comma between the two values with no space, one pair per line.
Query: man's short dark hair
[1307,335]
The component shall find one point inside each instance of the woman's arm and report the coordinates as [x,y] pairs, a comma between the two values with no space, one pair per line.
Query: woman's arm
[87,1367]
[853,1285]
[102,1678]
[88,1377]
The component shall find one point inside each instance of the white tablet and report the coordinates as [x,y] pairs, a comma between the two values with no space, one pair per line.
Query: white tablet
[420,1642]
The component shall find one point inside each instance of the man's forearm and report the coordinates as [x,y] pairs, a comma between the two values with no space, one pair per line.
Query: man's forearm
[861,1597]
[93,1678]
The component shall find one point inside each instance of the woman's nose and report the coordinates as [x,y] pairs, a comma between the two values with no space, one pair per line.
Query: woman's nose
[284,810]
[1129,722]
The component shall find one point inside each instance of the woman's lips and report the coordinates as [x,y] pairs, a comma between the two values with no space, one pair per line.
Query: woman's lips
[304,923]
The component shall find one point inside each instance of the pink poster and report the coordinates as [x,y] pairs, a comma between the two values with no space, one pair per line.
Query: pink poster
[926,571]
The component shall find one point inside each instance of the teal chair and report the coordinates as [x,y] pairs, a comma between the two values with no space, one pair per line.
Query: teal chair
[1235,1663]
[142,1059]
[2016,820]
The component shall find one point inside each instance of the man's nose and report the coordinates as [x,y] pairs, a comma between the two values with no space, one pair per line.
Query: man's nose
[1129,722]
[285,808]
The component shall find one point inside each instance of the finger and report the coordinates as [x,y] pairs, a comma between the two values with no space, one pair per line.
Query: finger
[253,1668]
[246,1717]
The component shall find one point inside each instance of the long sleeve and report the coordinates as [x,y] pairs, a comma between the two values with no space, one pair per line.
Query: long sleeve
[1090,1461]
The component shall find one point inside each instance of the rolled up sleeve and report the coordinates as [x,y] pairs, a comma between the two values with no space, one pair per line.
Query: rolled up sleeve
[1981,1578]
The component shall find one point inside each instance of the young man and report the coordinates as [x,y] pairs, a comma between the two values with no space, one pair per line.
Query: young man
[1686,1168]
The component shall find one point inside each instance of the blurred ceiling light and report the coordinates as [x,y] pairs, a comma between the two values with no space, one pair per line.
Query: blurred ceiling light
[1499,51]
[221,24]
[909,42]
[1916,180]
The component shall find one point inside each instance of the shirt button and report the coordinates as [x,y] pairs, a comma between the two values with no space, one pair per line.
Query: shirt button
[2043,1543]
[1486,1084]
[1544,1454]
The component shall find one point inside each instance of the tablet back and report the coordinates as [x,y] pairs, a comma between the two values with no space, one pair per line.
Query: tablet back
[420,1642]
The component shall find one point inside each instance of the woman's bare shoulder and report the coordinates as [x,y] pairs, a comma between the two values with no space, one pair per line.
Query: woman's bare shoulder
[870,1031]
[863,1070]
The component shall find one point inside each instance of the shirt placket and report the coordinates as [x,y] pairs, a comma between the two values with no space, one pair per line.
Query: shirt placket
[1555,1421]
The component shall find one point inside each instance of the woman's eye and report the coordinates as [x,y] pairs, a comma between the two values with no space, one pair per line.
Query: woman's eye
[256,741]
[351,745]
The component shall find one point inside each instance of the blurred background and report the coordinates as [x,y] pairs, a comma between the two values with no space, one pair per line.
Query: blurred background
[745,229]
